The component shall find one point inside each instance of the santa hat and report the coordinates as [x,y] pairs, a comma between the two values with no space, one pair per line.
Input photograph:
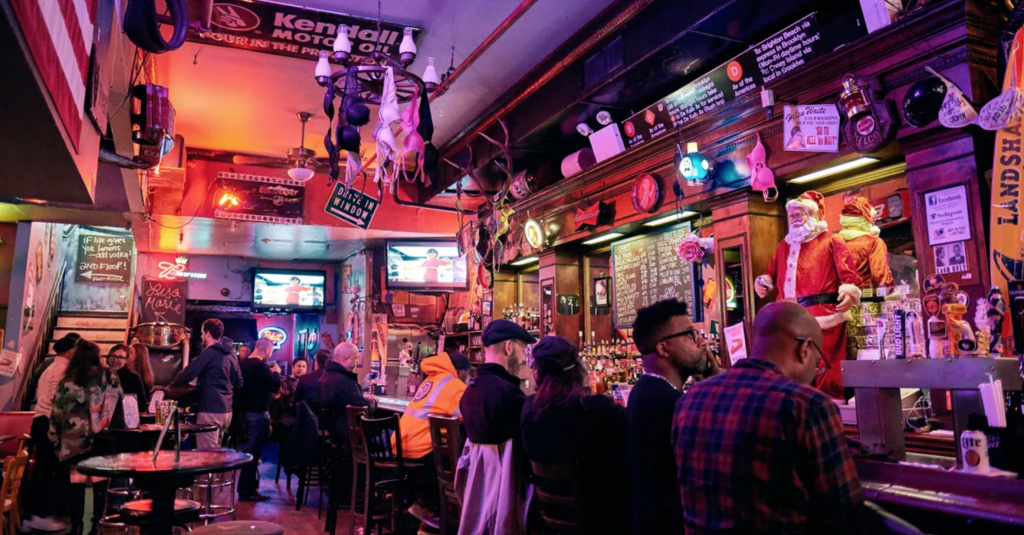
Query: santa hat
[811,200]
[859,207]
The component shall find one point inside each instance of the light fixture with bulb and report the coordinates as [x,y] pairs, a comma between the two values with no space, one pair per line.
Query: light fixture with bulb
[524,261]
[835,169]
[601,239]
[604,118]
[677,216]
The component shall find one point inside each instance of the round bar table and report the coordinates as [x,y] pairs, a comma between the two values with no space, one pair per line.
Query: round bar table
[165,476]
[144,436]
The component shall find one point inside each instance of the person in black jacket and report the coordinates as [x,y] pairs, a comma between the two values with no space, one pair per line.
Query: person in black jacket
[218,375]
[259,385]
[131,382]
[339,388]
[306,388]
[493,403]
[564,423]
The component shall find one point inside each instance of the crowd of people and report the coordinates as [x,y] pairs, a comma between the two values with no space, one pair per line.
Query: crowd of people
[751,449]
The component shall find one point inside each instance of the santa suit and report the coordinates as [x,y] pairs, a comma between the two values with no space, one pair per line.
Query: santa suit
[868,251]
[821,265]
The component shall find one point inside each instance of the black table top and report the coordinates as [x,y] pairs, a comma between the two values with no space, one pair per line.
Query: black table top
[141,465]
[155,429]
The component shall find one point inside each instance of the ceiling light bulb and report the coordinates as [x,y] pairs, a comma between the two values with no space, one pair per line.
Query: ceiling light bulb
[604,118]
[342,45]
[323,70]
[430,78]
[601,239]
[407,49]
[584,129]
[301,174]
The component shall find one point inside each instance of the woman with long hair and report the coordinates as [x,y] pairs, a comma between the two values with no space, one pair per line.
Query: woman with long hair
[564,423]
[86,403]
[138,362]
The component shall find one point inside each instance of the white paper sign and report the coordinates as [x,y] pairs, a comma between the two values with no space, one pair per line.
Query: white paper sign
[811,128]
[949,218]
[950,258]
[130,405]
[736,342]
[9,361]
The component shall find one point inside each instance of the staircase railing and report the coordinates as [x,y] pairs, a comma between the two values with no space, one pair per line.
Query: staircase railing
[41,348]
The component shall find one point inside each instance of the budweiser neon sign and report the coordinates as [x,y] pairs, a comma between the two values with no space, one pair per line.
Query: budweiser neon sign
[176,269]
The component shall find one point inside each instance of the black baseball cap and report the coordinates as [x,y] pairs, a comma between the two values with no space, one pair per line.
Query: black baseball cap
[459,361]
[67,343]
[554,355]
[500,330]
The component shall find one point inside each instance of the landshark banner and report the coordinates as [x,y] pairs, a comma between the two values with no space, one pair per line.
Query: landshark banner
[1007,226]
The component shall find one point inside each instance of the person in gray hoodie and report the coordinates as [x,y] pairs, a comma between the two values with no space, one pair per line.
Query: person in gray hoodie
[218,376]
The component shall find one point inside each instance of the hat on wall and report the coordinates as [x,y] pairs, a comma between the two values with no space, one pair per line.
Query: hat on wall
[811,200]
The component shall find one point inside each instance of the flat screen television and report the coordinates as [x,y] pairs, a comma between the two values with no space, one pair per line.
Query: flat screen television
[426,266]
[288,290]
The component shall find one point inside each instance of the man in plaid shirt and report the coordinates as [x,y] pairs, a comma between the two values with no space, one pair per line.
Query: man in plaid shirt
[757,449]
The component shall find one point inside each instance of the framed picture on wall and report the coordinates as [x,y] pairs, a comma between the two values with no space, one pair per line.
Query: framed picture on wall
[602,292]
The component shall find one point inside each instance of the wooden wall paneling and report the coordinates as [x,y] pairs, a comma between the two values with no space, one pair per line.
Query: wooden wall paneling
[597,265]
[506,291]
[941,166]
[529,289]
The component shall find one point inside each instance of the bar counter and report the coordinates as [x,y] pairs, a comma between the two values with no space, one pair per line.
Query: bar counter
[393,403]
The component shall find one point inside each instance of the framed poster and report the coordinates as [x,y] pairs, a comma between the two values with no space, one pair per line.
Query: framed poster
[601,296]
[948,215]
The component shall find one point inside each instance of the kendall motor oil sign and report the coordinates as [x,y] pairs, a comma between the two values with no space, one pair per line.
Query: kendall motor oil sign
[292,31]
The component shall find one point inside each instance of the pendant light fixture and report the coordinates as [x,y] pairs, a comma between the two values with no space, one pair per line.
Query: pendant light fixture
[430,78]
[407,50]
[342,44]
[323,69]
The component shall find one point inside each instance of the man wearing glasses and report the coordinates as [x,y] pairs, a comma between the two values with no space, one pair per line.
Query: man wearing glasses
[758,449]
[131,382]
[672,351]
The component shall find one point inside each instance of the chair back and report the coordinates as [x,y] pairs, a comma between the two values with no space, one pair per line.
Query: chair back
[556,489]
[380,448]
[14,472]
[355,432]
[446,438]
[15,423]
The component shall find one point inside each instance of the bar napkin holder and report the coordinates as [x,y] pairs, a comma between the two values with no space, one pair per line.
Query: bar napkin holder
[993,401]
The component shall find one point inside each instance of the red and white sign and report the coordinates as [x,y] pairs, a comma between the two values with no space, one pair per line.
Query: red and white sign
[59,35]
[176,269]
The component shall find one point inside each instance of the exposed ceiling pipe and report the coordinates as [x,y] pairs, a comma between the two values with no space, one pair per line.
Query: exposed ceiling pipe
[110,157]
[498,109]
[500,30]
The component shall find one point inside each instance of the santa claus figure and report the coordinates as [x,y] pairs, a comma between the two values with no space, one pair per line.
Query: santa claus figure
[812,266]
[868,251]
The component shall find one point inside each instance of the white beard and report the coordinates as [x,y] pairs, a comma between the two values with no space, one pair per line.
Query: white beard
[806,232]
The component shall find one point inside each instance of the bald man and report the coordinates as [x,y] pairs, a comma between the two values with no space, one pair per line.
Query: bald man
[758,450]
[339,388]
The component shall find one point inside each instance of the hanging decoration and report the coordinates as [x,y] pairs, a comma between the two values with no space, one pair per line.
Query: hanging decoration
[533,234]
[646,193]
[762,178]
[956,110]
[693,248]
[1005,109]
[869,125]
[695,168]
[923,100]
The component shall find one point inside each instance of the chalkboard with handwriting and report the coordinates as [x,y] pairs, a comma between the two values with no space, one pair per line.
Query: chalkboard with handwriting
[646,270]
[103,258]
[163,300]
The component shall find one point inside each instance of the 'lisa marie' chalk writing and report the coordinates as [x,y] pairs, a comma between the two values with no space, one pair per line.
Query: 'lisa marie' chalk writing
[163,297]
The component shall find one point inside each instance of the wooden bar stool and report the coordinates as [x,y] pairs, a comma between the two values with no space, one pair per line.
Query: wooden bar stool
[360,469]
[556,490]
[140,513]
[446,436]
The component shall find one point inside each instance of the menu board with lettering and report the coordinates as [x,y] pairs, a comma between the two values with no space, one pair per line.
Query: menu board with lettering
[646,270]
[758,65]
[103,258]
[163,300]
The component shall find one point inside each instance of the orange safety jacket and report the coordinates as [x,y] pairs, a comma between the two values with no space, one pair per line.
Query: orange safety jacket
[439,394]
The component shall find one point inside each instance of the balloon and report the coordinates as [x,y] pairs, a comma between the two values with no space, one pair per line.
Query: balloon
[923,101]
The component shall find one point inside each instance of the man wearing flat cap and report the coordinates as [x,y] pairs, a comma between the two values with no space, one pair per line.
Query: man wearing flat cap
[492,404]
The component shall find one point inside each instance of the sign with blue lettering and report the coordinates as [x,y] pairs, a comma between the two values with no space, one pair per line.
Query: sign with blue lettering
[351,206]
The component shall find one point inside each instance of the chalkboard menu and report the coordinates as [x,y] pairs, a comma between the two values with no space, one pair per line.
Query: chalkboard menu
[646,270]
[103,258]
[760,64]
[163,300]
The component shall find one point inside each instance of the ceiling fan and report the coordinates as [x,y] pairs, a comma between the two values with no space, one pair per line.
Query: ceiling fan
[303,161]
